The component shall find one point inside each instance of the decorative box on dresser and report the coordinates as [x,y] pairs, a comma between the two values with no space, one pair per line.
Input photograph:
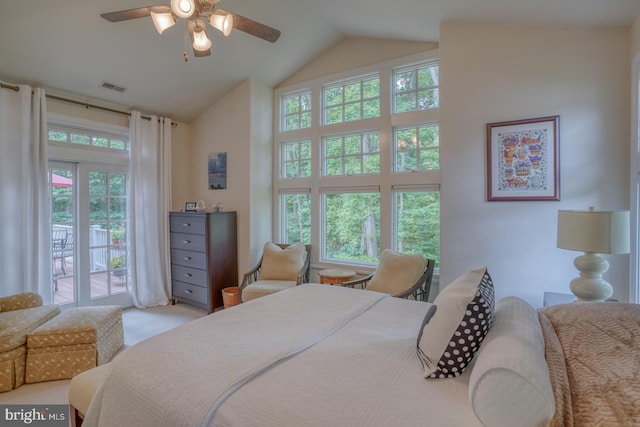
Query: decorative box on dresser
[203,257]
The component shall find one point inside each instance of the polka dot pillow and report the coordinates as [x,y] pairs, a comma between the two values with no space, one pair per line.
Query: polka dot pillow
[456,324]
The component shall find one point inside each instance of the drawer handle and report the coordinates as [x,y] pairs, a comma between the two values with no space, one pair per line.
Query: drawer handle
[187,274]
[186,242]
[187,258]
[186,225]
[188,291]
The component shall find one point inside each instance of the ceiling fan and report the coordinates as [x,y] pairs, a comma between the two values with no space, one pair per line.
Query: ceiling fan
[197,13]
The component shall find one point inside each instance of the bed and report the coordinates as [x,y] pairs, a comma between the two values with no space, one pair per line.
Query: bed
[320,355]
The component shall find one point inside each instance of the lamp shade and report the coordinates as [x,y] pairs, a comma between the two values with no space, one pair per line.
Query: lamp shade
[162,21]
[605,232]
[223,23]
[183,8]
[200,40]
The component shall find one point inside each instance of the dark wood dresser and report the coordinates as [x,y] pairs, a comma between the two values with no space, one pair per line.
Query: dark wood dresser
[204,257]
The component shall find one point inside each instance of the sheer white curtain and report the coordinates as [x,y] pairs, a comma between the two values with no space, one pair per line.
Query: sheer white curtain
[150,196]
[25,257]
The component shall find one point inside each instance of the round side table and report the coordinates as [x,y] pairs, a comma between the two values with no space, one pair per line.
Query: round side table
[336,276]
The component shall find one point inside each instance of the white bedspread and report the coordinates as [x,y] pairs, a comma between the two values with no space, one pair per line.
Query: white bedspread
[314,355]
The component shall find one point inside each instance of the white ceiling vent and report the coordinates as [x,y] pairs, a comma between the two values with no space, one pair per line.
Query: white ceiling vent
[112,86]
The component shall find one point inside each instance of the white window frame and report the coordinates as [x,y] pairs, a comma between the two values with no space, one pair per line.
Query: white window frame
[284,115]
[89,157]
[344,156]
[284,161]
[386,180]
[344,104]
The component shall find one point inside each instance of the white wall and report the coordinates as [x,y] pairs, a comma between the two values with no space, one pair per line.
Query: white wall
[236,125]
[180,143]
[260,170]
[488,74]
[634,271]
[355,52]
[497,73]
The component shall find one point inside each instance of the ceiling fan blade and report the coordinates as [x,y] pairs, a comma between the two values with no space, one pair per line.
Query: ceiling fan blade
[140,12]
[252,27]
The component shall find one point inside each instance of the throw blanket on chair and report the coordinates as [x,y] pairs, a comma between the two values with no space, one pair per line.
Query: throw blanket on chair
[590,350]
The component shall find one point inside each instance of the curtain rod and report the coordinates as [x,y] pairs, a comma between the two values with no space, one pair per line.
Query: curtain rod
[81,103]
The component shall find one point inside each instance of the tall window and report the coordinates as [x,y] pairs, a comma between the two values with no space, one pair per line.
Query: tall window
[365,175]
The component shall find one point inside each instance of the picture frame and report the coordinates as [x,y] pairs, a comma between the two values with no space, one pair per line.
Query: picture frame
[523,160]
[217,171]
[190,207]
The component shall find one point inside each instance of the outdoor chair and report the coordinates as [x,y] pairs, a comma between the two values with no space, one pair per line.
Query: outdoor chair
[61,248]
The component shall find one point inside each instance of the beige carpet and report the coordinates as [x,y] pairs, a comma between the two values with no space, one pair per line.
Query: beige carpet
[138,325]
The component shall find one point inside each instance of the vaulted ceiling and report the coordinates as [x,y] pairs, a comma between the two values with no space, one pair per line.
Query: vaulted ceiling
[66,47]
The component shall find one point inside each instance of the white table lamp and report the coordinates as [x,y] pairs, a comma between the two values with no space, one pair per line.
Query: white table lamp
[593,232]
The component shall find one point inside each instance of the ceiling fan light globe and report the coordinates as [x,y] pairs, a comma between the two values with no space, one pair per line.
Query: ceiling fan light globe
[183,8]
[200,40]
[222,23]
[162,21]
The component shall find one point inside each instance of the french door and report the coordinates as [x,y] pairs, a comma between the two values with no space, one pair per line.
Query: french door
[89,221]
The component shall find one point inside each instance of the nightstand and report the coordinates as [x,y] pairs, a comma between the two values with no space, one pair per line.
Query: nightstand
[556,298]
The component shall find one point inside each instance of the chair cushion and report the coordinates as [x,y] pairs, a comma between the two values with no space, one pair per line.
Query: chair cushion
[282,264]
[18,323]
[262,288]
[397,272]
[456,324]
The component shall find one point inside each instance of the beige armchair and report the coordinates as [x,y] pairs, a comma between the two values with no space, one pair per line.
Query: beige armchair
[399,275]
[19,315]
[281,266]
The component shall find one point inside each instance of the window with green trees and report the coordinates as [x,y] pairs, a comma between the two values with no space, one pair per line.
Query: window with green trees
[347,101]
[367,174]
[296,110]
[296,159]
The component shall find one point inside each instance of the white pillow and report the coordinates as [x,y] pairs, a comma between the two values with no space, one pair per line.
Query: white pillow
[282,264]
[456,324]
[396,272]
[509,385]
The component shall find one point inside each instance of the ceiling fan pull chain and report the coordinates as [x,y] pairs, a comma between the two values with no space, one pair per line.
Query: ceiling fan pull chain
[186,45]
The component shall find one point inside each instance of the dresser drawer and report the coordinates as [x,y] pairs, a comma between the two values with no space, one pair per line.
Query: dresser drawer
[189,275]
[189,258]
[189,292]
[189,242]
[192,224]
